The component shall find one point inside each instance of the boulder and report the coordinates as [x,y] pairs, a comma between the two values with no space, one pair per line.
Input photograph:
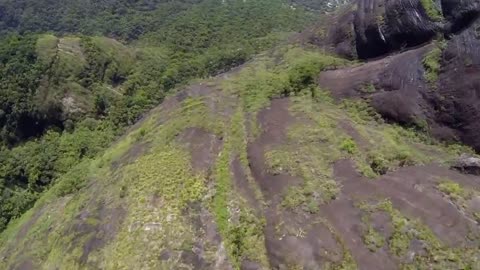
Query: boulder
[467,164]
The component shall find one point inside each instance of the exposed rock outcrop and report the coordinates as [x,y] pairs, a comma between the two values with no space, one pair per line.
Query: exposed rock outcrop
[415,83]
[467,164]
[384,26]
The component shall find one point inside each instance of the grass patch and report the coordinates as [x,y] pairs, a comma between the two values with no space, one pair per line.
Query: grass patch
[348,145]
[164,175]
[310,163]
[392,146]
[373,239]
[123,56]
[431,63]
[389,146]
[309,152]
[460,196]
[265,79]
[71,60]
[368,88]
[453,190]
[240,228]
[160,186]
[432,11]
[436,256]
[359,111]
[192,113]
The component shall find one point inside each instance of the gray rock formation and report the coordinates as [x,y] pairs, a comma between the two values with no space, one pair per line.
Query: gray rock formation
[467,164]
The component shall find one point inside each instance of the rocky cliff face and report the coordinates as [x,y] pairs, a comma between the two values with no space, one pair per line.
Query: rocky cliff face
[426,63]
[385,26]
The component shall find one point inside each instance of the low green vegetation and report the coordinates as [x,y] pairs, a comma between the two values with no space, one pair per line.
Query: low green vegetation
[432,65]
[432,10]
[314,145]
[368,88]
[390,146]
[317,188]
[460,196]
[241,229]
[309,153]
[155,222]
[373,239]
[348,145]
[453,190]
[436,254]
[46,47]
[263,80]
[360,112]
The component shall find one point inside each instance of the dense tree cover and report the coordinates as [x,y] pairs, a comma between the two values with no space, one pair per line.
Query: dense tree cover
[122,18]
[64,98]
[19,77]
[27,170]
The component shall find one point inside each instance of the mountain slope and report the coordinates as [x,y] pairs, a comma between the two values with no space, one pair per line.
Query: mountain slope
[297,159]
[72,94]
[220,177]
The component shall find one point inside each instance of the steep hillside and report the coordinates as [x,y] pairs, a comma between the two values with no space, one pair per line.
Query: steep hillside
[333,150]
[222,177]
[65,97]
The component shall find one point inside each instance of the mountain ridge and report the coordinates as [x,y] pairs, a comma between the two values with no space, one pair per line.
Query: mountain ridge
[297,159]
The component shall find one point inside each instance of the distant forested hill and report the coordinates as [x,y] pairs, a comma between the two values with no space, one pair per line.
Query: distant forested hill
[122,18]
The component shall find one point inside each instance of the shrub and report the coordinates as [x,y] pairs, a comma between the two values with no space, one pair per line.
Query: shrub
[431,9]
[431,63]
[378,163]
[452,189]
[348,145]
